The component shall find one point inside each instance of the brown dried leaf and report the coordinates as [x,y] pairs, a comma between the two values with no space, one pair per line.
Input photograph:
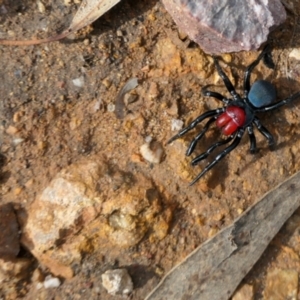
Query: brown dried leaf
[214,270]
[88,12]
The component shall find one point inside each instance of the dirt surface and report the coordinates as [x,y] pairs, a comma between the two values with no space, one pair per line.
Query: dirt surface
[48,123]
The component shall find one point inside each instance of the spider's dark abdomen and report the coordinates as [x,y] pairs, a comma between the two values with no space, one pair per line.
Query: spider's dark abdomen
[233,118]
[262,93]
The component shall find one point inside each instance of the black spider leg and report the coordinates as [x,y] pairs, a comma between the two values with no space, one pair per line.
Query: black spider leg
[278,104]
[250,69]
[193,124]
[194,142]
[265,132]
[205,154]
[216,95]
[268,60]
[253,148]
[226,80]
[232,146]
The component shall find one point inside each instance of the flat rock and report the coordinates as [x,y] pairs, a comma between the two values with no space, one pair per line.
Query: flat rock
[226,25]
[89,206]
[63,208]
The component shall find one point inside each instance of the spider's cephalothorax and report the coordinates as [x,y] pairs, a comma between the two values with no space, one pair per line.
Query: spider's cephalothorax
[237,115]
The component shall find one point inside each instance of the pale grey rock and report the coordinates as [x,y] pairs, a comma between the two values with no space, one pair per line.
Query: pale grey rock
[117,282]
[176,124]
[227,25]
[68,204]
[80,210]
[64,207]
[78,82]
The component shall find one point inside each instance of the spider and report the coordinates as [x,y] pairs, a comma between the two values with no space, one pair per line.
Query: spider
[237,115]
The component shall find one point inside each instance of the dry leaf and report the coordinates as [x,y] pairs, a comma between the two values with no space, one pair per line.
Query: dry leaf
[120,105]
[88,12]
[214,270]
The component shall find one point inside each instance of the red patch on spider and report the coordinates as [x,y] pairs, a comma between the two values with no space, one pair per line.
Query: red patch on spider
[232,119]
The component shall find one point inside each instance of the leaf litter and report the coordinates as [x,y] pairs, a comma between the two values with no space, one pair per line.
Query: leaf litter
[131,84]
[214,270]
[88,12]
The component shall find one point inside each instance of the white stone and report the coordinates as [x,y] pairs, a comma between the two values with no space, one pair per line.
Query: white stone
[18,141]
[295,53]
[148,139]
[51,282]
[176,124]
[78,82]
[111,107]
[41,7]
[117,282]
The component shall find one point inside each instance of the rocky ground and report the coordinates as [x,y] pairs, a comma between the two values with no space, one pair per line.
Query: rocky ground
[85,197]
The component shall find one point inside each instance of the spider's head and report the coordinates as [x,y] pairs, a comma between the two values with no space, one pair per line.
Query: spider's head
[262,93]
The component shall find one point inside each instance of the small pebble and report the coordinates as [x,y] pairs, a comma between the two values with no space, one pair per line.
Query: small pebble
[148,139]
[176,125]
[153,91]
[111,107]
[78,82]
[119,33]
[86,42]
[106,82]
[117,282]
[51,282]
[98,105]
[17,141]
[18,116]
[295,53]
[11,33]
[152,152]
[37,276]
[239,211]
[41,7]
